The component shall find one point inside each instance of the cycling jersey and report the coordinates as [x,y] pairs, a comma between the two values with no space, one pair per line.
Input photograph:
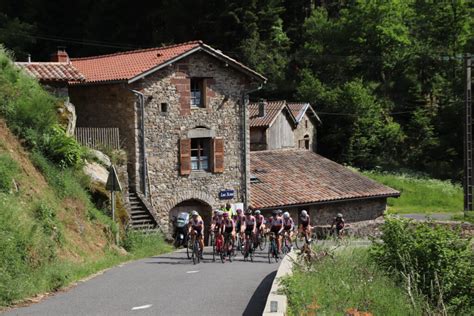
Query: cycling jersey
[197,225]
[304,221]
[275,224]
[228,225]
[288,223]
[260,219]
[249,222]
[238,221]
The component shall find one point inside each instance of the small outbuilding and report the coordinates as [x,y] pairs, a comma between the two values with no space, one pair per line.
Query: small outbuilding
[295,179]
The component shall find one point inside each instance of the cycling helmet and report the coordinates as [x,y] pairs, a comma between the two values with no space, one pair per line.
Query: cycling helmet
[304,213]
[280,212]
[239,211]
[339,215]
[219,213]
[286,215]
[257,212]
[194,213]
[275,212]
[248,211]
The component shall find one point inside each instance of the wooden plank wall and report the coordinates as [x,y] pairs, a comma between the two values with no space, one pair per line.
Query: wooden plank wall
[98,138]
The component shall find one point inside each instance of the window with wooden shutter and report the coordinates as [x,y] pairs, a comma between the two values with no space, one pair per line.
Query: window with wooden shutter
[218,155]
[185,156]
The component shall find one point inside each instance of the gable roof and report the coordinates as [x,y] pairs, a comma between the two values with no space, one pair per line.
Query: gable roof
[297,110]
[134,65]
[272,109]
[298,176]
[52,71]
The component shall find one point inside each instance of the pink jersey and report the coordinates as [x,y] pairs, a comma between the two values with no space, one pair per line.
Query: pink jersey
[249,220]
[288,223]
[275,222]
[260,219]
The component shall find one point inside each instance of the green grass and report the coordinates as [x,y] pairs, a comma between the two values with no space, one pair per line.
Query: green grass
[421,195]
[350,280]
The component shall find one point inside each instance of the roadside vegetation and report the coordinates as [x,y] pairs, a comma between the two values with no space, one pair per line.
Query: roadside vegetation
[417,269]
[421,194]
[347,281]
[51,233]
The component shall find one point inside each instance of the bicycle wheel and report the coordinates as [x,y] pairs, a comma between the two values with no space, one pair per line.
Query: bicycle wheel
[299,241]
[196,252]
[243,246]
[263,242]
[270,253]
[189,247]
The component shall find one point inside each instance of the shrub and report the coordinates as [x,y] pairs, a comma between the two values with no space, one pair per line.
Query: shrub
[433,261]
[61,148]
[8,169]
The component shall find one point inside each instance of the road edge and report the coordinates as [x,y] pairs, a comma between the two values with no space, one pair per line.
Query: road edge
[277,304]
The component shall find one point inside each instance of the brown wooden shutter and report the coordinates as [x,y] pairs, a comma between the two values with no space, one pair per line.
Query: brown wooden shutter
[185,156]
[184,91]
[218,155]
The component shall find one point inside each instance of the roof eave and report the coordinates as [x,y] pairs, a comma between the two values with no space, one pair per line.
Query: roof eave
[371,197]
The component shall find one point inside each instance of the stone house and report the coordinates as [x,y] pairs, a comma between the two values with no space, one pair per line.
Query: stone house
[181,112]
[281,124]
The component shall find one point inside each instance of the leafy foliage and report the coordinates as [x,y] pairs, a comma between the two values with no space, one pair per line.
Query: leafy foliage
[431,260]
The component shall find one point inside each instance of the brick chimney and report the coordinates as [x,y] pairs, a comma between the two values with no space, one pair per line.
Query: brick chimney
[60,56]
[262,108]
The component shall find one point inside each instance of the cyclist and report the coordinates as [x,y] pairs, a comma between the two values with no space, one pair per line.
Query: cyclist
[288,225]
[275,225]
[217,221]
[339,223]
[304,226]
[249,226]
[228,227]
[196,227]
[238,219]
[260,219]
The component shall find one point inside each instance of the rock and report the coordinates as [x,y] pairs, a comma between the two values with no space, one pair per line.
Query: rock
[101,157]
[96,172]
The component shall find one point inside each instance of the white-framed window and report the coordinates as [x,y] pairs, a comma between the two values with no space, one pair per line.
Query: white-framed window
[200,152]
[197,92]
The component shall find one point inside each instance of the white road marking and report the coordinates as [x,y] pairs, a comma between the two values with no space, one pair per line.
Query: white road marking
[141,307]
[195,271]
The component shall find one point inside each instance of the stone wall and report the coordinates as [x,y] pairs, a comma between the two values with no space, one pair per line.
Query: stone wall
[301,130]
[222,116]
[353,211]
[108,105]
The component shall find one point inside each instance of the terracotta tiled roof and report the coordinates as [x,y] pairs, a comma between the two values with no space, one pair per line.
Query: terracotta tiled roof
[49,71]
[127,65]
[297,109]
[272,109]
[132,64]
[298,176]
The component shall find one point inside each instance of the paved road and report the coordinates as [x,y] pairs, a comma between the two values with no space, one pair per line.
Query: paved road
[436,217]
[167,285]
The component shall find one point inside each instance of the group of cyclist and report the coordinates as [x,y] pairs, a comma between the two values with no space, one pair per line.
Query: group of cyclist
[248,225]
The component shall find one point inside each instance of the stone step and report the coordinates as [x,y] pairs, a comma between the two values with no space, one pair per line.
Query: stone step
[139,210]
[141,217]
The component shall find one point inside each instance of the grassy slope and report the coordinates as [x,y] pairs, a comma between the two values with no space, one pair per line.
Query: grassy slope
[48,238]
[349,281]
[421,195]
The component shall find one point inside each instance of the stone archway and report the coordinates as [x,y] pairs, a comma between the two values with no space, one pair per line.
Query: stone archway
[204,210]
[187,201]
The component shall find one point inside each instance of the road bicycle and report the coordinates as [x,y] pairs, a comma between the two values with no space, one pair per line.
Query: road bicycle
[218,248]
[228,250]
[302,238]
[273,249]
[286,243]
[248,247]
[193,250]
[260,240]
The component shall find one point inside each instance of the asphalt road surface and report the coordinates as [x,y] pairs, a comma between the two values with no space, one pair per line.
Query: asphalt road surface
[167,285]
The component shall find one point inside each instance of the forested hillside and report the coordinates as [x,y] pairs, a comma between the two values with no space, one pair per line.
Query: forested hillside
[385,76]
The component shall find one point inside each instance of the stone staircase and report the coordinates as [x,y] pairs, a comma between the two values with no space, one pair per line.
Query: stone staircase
[141,217]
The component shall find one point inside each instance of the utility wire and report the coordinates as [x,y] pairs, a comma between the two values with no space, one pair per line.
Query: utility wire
[74,40]
[353,114]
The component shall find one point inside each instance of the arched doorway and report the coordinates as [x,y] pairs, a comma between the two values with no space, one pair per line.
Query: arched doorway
[204,209]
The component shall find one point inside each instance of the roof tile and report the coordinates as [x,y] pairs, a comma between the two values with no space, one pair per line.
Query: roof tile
[52,71]
[296,176]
